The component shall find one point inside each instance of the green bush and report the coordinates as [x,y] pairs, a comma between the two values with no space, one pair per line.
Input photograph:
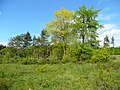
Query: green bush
[86,53]
[57,53]
[114,51]
[78,52]
[100,55]
[68,58]
[29,60]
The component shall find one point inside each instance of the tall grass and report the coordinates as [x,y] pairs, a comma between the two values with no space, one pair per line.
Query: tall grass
[69,76]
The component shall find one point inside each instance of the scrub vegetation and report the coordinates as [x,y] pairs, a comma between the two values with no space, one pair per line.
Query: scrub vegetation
[66,56]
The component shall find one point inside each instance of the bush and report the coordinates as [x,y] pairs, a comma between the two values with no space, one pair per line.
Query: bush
[57,53]
[29,60]
[78,52]
[100,55]
[67,58]
[86,53]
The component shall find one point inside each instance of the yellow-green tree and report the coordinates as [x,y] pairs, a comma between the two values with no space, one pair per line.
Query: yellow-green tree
[59,27]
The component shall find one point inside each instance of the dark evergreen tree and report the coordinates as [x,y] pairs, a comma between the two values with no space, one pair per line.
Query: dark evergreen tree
[36,41]
[44,37]
[113,43]
[20,41]
[106,41]
[2,46]
[27,39]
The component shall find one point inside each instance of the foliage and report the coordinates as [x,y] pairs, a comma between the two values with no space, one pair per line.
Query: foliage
[70,76]
[2,46]
[70,37]
[78,51]
[36,41]
[86,25]
[116,50]
[57,52]
[44,37]
[112,41]
[100,55]
[106,41]
[59,28]
[20,41]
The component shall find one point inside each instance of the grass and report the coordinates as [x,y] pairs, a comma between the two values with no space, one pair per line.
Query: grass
[69,76]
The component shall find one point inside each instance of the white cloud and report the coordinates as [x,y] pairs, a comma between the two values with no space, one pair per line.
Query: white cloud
[4,43]
[109,26]
[110,30]
[108,16]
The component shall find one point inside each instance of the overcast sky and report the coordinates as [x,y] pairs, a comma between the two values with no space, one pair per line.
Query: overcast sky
[20,16]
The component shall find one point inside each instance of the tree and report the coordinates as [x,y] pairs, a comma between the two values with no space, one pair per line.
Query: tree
[2,46]
[59,28]
[20,41]
[86,25]
[44,37]
[16,42]
[106,41]
[113,42]
[36,41]
[27,39]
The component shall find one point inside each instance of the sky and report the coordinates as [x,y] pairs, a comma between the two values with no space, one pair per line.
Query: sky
[20,16]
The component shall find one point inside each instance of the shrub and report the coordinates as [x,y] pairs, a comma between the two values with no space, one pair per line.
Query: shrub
[68,58]
[86,53]
[78,52]
[57,53]
[100,55]
[29,60]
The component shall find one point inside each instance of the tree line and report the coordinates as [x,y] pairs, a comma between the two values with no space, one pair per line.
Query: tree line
[69,36]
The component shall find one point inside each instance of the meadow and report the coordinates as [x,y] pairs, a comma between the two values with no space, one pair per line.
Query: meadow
[67,76]
[65,55]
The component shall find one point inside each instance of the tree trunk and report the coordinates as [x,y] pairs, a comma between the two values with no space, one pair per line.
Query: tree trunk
[83,39]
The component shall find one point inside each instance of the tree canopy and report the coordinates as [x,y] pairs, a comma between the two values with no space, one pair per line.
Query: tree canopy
[69,36]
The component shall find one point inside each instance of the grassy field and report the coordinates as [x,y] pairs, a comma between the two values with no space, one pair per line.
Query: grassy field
[69,76]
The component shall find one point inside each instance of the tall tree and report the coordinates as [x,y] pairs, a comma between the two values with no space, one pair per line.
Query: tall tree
[44,41]
[106,41]
[36,41]
[16,42]
[113,43]
[44,37]
[20,41]
[86,25]
[60,26]
[27,39]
